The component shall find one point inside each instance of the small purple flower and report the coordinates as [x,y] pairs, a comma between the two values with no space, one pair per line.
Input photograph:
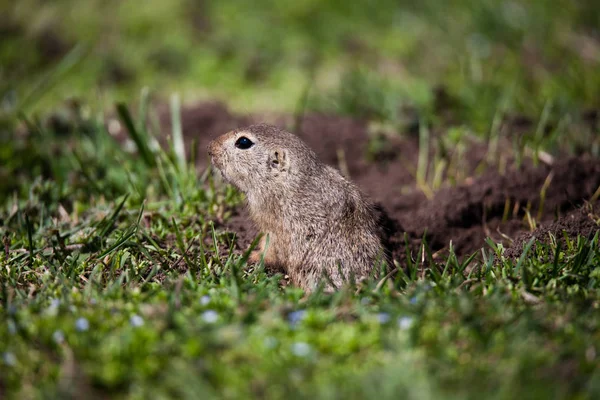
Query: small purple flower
[413,300]
[9,359]
[301,349]
[58,336]
[12,327]
[296,316]
[204,300]
[82,324]
[383,318]
[405,322]
[136,321]
[210,316]
[53,307]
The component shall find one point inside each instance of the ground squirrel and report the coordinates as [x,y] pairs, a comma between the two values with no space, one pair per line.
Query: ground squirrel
[317,222]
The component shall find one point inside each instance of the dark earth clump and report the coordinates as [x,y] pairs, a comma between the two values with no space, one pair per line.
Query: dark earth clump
[583,221]
[495,205]
[486,205]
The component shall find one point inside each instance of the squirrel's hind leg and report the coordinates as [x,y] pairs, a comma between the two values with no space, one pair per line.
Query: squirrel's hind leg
[263,251]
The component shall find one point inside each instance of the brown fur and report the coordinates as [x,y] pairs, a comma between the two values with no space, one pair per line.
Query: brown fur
[316,220]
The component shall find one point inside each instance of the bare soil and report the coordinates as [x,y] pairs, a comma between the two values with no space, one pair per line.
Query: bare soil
[583,221]
[491,204]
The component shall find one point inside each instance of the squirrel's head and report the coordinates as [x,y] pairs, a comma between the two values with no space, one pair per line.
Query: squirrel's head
[261,158]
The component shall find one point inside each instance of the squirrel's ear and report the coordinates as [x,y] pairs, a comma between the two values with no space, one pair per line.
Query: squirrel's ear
[278,159]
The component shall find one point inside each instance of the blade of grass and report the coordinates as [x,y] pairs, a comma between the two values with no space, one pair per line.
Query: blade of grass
[545,187]
[140,140]
[127,234]
[462,267]
[524,255]
[29,238]
[409,263]
[178,144]
[423,159]
[182,247]
[540,129]
[144,105]
[555,264]
[107,224]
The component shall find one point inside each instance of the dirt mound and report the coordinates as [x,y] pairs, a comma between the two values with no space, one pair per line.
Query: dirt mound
[492,204]
[584,221]
[495,205]
[344,143]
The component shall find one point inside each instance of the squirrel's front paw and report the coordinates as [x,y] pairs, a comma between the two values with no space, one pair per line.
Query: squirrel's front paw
[255,257]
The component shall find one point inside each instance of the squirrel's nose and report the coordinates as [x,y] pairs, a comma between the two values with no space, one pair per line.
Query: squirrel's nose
[210,150]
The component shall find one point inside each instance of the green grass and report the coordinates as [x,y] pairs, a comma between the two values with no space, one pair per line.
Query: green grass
[259,56]
[118,279]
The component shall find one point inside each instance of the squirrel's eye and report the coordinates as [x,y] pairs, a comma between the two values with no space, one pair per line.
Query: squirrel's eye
[243,143]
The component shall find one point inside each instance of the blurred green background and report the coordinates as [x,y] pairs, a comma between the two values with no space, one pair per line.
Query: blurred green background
[262,55]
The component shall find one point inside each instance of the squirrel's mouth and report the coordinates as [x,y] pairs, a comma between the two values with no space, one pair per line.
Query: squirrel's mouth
[215,162]
[218,168]
[215,166]
[217,171]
